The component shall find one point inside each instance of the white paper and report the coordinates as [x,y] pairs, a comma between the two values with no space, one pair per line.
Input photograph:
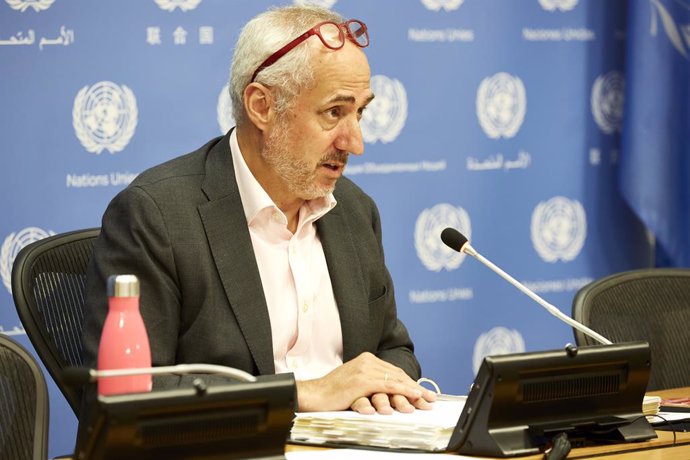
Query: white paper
[669,416]
[428,430]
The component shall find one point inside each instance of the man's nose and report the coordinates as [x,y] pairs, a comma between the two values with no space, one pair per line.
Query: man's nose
[350,137]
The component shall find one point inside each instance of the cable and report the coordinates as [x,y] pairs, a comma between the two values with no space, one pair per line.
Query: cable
[560,448]
[670,425]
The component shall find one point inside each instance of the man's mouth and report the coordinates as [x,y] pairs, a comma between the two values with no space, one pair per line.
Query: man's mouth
[333,166]
[335,161]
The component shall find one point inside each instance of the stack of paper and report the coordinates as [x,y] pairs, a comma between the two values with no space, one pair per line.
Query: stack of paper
[428,430]
[673,410]
[650,405]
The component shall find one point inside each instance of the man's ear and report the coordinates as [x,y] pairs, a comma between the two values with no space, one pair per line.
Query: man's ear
[258,103]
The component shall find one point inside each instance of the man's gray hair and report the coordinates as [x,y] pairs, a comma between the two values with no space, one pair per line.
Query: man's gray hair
[264,35]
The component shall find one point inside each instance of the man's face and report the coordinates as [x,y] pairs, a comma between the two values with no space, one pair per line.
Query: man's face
[308,146]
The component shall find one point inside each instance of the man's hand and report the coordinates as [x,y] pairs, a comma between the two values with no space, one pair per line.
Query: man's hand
[365,384]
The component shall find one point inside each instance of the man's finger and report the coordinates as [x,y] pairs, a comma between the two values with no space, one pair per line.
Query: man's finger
[381,403]
[422,404]
[409,390]
[402,404]
[363,406]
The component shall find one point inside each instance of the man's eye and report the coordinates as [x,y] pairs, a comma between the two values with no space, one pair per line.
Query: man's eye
[360,113]
[334,112]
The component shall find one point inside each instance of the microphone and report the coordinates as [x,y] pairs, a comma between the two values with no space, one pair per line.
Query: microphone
[80,376]
[458,242]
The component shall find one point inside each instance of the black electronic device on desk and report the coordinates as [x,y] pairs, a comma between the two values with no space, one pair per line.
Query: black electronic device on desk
[248,420]
[520,402]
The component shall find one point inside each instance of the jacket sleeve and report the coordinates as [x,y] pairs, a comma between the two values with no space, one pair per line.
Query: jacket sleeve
[134,240]
[395,345]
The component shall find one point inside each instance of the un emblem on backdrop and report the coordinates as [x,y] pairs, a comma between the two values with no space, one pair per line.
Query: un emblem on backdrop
[14,243]
[498,341]
[501,105]
[224,110]
[23,5]
[385,117]
[105,116]
[433,253]
[558,229]
[448,5]
[183,5]
[562,5]
[322,3]
[607,101]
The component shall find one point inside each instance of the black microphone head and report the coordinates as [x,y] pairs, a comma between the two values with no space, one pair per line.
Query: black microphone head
[76,376]
[453,239]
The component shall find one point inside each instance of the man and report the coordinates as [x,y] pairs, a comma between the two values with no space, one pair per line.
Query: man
[253,252]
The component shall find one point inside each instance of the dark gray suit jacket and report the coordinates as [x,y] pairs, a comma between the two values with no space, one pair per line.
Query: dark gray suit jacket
[180,227]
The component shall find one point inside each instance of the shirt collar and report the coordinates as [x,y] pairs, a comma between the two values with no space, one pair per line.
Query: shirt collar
[254,197]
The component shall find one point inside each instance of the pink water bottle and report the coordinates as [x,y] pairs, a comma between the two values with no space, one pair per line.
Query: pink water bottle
[124,341]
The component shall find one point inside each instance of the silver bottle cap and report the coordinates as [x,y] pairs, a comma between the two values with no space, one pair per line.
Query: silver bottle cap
[123,286]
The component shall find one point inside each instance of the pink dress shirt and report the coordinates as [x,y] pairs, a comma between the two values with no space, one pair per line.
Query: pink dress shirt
[305,324]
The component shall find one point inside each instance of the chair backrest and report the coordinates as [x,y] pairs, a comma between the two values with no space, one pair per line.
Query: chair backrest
[651,305]
[23,404]
[48,283]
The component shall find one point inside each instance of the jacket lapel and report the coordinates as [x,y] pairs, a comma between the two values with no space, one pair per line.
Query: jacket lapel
[228,236]
[344,269]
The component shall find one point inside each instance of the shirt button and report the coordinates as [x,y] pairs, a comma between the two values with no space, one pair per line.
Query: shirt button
[305,307]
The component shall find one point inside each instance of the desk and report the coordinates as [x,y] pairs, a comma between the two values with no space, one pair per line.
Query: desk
[660,448]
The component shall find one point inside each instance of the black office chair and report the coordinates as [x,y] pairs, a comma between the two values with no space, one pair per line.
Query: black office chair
[651,305]
[48,282]
[23,404]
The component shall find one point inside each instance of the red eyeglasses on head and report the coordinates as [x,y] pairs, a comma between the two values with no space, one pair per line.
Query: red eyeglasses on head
[332,36]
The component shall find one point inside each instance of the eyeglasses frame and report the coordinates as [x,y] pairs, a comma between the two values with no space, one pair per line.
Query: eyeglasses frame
[316,30]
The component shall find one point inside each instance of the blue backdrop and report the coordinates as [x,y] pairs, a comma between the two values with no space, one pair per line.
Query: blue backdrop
[499,118]
[655,161]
